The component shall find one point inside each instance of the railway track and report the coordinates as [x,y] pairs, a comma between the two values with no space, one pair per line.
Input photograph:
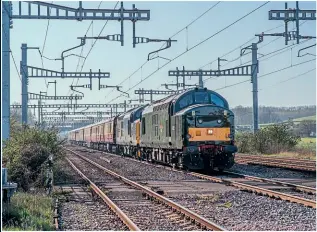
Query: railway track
[80,210]
[295,187]
[263,190]
[143,206]
[296,164]
[271,188]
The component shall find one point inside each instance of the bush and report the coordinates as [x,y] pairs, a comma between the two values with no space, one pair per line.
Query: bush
[26,154]
[269,140]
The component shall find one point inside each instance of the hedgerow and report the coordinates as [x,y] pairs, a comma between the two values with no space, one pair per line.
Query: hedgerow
[26,154]
[269,140]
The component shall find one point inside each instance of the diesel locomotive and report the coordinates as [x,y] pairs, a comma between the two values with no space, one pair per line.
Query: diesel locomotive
[193,130]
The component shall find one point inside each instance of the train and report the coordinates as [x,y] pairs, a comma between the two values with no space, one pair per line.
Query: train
[192,130]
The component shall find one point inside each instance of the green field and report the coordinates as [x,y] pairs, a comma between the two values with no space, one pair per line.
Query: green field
[296,120]
[308,140]
[309,118]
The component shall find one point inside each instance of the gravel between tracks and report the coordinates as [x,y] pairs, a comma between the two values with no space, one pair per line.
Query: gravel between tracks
[236,210]
[134,170]
[89,215]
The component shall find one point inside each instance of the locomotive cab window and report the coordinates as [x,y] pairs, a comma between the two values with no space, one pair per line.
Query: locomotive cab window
[201,98]
[184,101]
[217,100]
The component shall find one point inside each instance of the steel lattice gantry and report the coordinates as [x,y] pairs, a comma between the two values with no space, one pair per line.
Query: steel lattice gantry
[77,106]
[292,15]
[34,72]
[36,96]
[73,119]
[44,10]
[151,92]
[98,113]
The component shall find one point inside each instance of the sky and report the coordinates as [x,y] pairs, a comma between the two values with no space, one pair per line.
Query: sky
[280,88]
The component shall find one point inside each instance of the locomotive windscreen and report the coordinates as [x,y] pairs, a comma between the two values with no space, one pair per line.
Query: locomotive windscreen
[200,97]
[212,121]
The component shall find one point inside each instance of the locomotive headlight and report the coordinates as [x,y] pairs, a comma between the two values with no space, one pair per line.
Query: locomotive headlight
[219,121]
[188,136]
[209,131]
[200,121]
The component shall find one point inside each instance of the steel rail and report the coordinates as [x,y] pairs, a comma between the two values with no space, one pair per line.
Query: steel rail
[125,219]
[256,189]
[301,188]
[263,191]
[197,218]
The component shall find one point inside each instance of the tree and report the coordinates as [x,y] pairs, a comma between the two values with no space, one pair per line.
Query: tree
[306,127]
[16,114]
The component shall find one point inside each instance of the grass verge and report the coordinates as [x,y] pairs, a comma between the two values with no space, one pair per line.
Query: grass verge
[305,149]
[296,155]
[31,212]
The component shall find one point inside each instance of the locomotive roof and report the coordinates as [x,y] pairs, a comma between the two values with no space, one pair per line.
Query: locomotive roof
[131,111]
[170,98]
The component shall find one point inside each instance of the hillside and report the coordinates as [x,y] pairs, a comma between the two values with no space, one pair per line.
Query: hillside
[268,114]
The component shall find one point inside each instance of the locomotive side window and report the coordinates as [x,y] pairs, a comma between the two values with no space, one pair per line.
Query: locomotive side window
[143,126]
[129,127]
[155,119]
[167,128]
